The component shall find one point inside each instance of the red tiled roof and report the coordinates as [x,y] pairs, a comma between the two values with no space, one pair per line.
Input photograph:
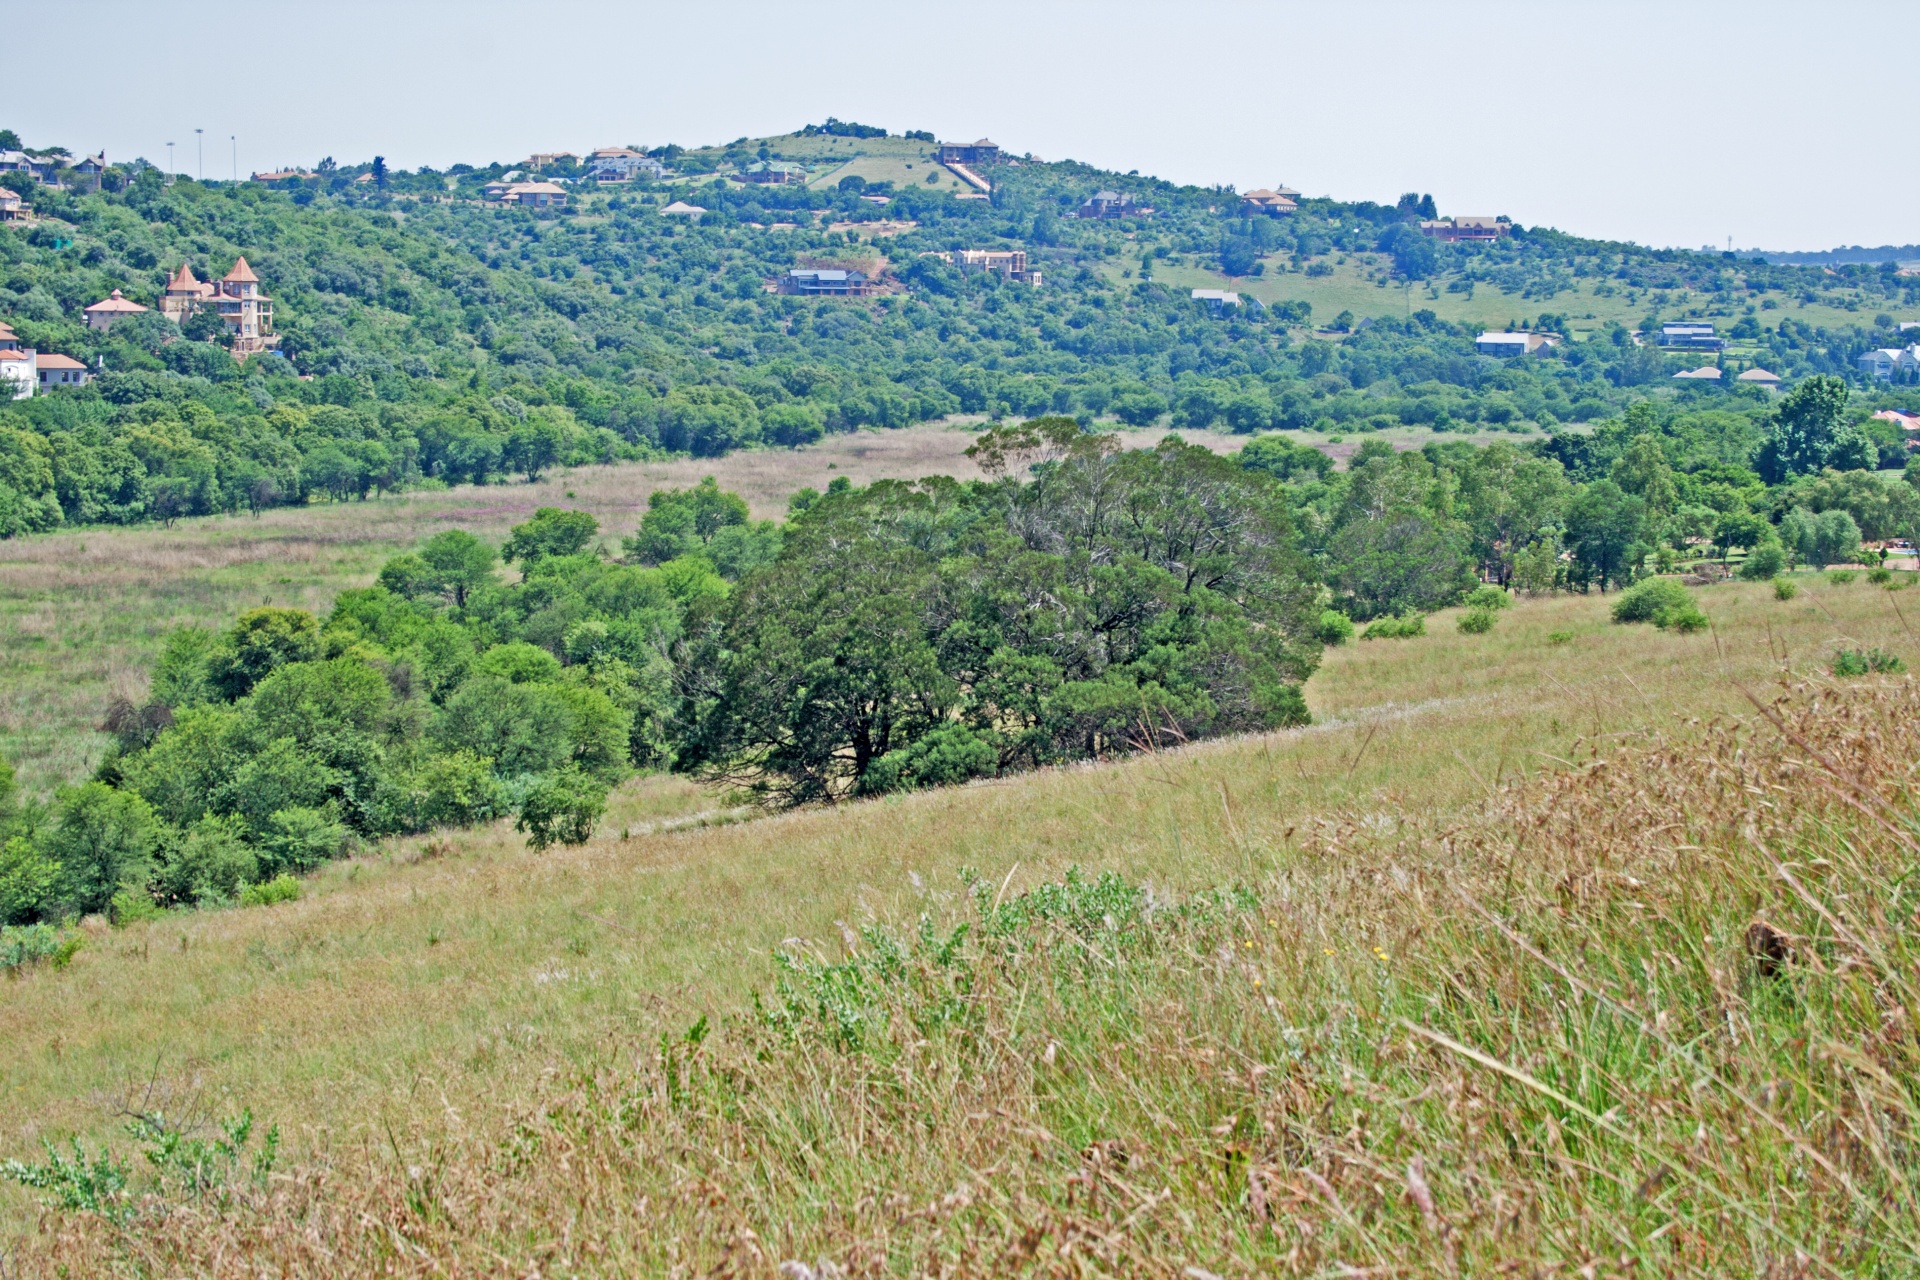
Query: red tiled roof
[54,360]
[241,272]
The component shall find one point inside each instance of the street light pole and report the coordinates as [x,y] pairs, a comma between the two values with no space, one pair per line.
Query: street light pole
[169,164]
[200,143]
[234,138]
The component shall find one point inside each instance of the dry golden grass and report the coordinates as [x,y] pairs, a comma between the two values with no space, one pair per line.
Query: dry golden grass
[420,1007]
[82,614]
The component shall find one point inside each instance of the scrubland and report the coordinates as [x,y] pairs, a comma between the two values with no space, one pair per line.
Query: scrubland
[1542,949]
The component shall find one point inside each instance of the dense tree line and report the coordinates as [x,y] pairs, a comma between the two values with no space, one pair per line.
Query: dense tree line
[884,638]
[428,338]
[1077,603]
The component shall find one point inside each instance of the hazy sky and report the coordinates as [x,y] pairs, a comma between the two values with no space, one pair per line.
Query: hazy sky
[1778,124]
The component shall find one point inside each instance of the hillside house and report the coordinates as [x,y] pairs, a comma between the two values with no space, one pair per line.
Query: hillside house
[1269,203]
[623,164]
[1504,345]
[533,195]
[772,173]
[12,208]
[1690,335]
[681,209]
[1890,362]
[1758,377]
[1106,204]
[549,159]
[16,162]
[1909,422]
[115,306]
[984,151]
[235,298]
[57,372]
[825,283]
[19,371]
[286,175]
[1217,300]
[1466,230]
[1705,373]
[1009,264]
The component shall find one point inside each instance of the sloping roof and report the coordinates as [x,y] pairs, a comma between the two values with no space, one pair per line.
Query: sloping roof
[54,360]
[1758,375]
[615,153]
[1226,296]
[241,273]
[115,303]
[536,189]
[1706,372]
[183,279]
[682,207]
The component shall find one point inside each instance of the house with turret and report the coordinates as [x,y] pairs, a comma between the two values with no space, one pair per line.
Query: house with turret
[235,298]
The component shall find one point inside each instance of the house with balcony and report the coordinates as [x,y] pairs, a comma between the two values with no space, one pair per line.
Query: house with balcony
[811,282]
[1270,203]
[1008,264]
[623,164]
[1107,204]
[1690,335]
[984,151]
[1889,363]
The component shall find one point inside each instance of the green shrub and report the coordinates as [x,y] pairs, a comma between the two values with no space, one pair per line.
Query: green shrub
[1785,588]
[1559,637]
[1860,662]
[300,839]
[945,756]
[1643,601]
[1476,621]
[27,880]
[282,888]
[31,944]
[1488,597]
[102,841]
[1403,627]
[1686,619]
[1879,577]
[1763,562]
[561,809]
[131,906]
[1840,577]
[1334,628]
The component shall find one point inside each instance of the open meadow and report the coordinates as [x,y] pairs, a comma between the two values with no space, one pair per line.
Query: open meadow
[485,1061]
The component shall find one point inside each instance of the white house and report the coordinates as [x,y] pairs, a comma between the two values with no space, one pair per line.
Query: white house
[623,164]
[1503,345]
[1890,362]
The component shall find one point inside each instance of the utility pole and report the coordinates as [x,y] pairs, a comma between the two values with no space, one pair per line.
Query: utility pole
[169,164]
[234,138]
[200,143]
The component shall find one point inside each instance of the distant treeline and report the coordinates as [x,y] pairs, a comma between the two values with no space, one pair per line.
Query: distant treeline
[472,343]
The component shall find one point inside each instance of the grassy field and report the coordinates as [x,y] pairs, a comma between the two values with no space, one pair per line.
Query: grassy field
[899,170]
[443,1029]
[82,613]
[1360,284]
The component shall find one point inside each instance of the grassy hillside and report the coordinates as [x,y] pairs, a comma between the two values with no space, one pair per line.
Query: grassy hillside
[518,1054]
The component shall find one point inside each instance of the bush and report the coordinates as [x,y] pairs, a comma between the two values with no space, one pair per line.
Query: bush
[1404,627]
[1476,621]
[34,943]
[1879,577]
[1489,597]
[561,809]
[1643,600]
[131,906]
[944,757]
[102,841]
[1840,577]
[1686,619]
[1785,588]
[1559,637]
[282,888]
[1860,662]
[1334,628]
[1763,562]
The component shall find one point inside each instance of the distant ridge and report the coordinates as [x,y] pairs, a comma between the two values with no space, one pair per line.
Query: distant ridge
[1904,254]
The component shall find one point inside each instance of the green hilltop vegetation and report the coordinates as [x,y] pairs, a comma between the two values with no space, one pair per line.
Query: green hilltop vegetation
[429,337]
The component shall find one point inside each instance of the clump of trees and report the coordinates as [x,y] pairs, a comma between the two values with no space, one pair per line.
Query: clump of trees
[1081,603]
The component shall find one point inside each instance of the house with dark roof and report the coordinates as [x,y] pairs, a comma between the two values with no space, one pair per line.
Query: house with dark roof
[1468,230]
[1269,202]
[814,282]
[1107,204]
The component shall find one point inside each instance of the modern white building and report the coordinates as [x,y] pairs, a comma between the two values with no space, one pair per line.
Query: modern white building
[1503,345]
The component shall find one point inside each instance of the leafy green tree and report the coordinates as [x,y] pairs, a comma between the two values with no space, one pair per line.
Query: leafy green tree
[1811,434]
[1835,538]
[102,840]
[457,563]
[682,522]
[1605,527]
[553,531]
[261,642]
